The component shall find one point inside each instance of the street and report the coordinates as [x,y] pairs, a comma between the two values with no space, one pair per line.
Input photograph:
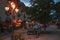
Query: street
[29,19]
[33,37]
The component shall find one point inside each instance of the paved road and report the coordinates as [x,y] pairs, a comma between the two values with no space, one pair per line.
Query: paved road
[43,37]
[33,37]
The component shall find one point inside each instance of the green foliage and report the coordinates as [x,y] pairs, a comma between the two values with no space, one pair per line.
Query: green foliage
[57,9]
[41,9]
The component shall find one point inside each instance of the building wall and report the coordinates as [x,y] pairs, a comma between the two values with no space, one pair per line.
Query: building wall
[3,3]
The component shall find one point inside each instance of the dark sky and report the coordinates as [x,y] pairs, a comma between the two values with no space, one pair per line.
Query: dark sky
[56,0]
[27,3]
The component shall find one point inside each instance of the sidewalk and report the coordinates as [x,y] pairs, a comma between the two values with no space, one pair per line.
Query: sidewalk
[58,30]
[5,33]
[8,35]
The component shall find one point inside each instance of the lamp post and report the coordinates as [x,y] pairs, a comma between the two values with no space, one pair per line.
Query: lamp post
[12,7]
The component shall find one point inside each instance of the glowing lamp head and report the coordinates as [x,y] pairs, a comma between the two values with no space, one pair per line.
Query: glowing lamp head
[6,8]
[13,5]
[16,10]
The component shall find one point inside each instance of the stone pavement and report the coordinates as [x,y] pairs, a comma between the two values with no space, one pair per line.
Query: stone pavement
[33,37]
[43,37]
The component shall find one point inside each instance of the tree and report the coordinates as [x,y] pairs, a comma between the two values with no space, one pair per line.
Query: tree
[41,10]
[57,8]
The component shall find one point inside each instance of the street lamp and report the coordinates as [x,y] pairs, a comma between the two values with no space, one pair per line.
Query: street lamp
[12,7]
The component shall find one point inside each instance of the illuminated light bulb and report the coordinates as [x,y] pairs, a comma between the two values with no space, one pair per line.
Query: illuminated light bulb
[16,10]
[6,8]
